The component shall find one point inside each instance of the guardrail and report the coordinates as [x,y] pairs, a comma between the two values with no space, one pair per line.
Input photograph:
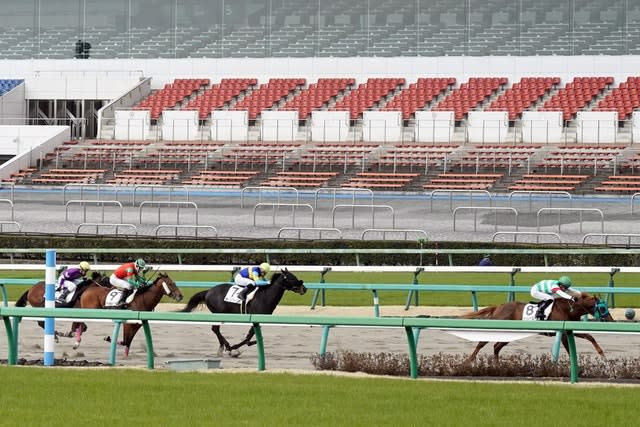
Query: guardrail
[413,290]
[409,324]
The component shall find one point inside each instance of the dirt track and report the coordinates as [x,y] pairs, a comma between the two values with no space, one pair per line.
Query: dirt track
[289,347]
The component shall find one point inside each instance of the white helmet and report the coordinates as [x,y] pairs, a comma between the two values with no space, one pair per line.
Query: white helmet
[84,266]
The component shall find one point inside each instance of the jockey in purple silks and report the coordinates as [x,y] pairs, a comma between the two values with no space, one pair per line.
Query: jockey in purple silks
[69,280]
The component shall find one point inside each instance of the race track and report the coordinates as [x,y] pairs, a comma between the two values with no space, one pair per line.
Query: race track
[289,347]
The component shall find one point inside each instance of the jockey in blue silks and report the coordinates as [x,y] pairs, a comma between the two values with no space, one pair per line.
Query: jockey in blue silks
[248,276]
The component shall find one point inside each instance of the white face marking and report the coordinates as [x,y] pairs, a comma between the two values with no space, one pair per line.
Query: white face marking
[166,288]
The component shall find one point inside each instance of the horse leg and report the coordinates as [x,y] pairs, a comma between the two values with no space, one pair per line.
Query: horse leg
[588,337]
[78,329]
[496,350]
[128,332]
[246,341]
[224,344]
[473,355]
[56,334]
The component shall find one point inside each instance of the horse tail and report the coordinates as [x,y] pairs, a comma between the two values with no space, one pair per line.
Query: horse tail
[485,313]
[195,301]
[22,301]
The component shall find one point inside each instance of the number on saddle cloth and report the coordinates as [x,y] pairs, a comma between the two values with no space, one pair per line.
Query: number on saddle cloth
[233,292]
[530,310]
[113,298]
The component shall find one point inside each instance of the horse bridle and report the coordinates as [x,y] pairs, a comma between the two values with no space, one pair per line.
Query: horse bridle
[286,280]
[599,311]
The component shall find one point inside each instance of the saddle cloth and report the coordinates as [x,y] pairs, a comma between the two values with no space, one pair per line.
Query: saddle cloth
[232,294]
[113,298]
[529,311]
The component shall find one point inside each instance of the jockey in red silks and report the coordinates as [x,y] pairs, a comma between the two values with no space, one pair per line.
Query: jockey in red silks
[129,276]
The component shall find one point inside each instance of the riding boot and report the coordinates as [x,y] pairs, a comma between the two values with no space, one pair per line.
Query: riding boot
[242,296]
[542,305]
[124,298]
[130,298]
[62,299]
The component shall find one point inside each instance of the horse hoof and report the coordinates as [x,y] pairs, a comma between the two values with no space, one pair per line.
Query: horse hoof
[76,345]
[235,353]
[107,338]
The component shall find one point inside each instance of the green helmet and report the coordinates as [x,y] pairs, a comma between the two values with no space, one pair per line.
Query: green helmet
[140,264]
[265,267]
[565,280]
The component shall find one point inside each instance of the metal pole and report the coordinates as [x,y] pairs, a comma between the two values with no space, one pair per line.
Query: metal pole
[49,302]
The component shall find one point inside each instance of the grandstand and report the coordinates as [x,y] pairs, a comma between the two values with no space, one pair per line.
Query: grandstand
[382,94]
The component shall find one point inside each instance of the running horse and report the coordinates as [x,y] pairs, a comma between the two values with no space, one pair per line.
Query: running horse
[34,296]
[146,299]
[562,309]
[264,301]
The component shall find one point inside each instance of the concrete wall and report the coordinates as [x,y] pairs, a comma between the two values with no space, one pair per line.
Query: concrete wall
[13,105]
[30,143]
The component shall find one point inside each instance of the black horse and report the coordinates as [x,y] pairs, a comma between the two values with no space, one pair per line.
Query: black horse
[265,300]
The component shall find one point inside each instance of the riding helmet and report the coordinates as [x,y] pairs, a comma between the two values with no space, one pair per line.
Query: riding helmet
[140,264]
[565,280]
[84,266]
[265,267]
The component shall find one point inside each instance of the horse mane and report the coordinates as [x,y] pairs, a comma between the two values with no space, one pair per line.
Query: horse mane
[275,276]
[485,313]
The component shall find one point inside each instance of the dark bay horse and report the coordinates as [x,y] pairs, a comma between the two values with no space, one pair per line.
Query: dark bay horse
[146,299]
[562,310]
[34,296]
[264,301]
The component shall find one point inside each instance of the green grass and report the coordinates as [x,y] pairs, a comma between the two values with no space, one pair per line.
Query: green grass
[363,298]
[125,397]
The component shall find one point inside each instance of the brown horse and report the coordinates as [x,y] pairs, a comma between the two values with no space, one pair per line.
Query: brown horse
[34,296]
[562,310]
[146,299]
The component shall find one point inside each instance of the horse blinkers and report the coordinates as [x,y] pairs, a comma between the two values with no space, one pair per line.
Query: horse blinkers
[600,310]
[292,283]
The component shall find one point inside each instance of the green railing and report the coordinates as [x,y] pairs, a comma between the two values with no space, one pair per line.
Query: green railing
[409,324]
[413,290]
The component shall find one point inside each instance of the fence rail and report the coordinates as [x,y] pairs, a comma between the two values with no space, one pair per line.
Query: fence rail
[409,324]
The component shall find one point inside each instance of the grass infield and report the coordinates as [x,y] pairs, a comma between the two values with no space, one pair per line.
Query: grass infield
[132,397]
[363,298]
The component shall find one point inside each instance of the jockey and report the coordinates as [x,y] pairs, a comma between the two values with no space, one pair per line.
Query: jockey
[70,279]
[129,276]
[486,261]
[248,276]
[548,290]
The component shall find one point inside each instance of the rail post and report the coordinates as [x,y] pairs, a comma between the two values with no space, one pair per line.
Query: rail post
[49,302]
[611,296]
[411,292]
[320,292]
[260,343]
[512,282]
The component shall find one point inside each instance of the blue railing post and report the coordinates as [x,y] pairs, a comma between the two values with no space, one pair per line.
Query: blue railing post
[49,302]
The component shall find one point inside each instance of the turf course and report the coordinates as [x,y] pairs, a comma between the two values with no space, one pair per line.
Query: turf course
[130,397]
